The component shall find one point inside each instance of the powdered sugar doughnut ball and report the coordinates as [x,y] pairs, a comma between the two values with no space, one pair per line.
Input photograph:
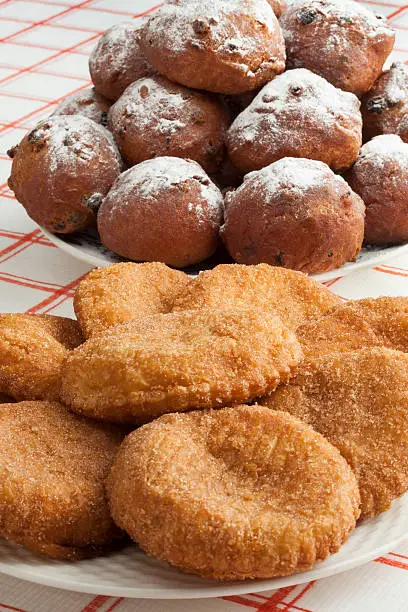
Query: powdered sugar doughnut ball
[340,40]
[298,114]
[117,60]
[62,169]
[165,209]
[385,106]
[87,102]
[295,213]
[155,117]
[380,177]
[226,46]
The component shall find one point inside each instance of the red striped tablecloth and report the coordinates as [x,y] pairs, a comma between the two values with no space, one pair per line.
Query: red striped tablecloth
[43,58]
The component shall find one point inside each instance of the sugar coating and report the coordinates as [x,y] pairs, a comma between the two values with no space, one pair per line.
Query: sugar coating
[384,150]
[293,175]
[268,118]
[224,17]
[153,177]
[151,101]
[119,43]
[176,22]
[343,13]
[397,84]
[72,140]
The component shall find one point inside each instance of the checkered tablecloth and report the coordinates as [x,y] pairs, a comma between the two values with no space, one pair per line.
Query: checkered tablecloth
[43,58]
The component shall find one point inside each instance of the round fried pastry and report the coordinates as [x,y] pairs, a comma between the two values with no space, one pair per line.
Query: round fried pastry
[385,106]
[298,114]
[295,213]
[117,60]
[359,323]
[32,350]
[225,46]
[233,494]
[172,362]
[86,102]
[359,402]
[53,467]
[62,169]
[340,40]
[291,295]
[165,209]
[380,178]
[155,117]
[125,291]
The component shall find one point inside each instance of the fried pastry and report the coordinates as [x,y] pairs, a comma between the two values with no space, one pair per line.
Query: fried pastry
[135,372]
[32,349]
[359,323]
[359,402]
[340,40]
[380,177]
[295,213]
[385,106]
[62,169]
[234,493]
[225,46]
[117,59]
[125,291]
[53,467]
[297,114]
[291,295]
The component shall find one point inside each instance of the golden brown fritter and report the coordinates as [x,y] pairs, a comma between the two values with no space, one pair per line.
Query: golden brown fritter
[164,209]
[53,467]
[122,292]
[155,117]
[32,349]
[359,402]
[385,107]
[291,295]
[233,494]
[359,323]
[168,363]
[87,102]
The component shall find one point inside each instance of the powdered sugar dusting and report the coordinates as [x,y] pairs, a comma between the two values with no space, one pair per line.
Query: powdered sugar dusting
[71,140]
[286,109]
[397,84]
[180,23]
[152,177]
[339,15]
[293,174]
[383,150]
[119,43]
[154,104]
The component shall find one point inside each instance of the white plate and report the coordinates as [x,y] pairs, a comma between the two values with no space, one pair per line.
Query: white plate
[131,573]
[87,247]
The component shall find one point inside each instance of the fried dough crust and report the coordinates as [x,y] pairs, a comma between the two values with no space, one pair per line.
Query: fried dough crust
[173,362]
[359,402]
[32,349]
[125,291]
[53,467]
[233,494]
